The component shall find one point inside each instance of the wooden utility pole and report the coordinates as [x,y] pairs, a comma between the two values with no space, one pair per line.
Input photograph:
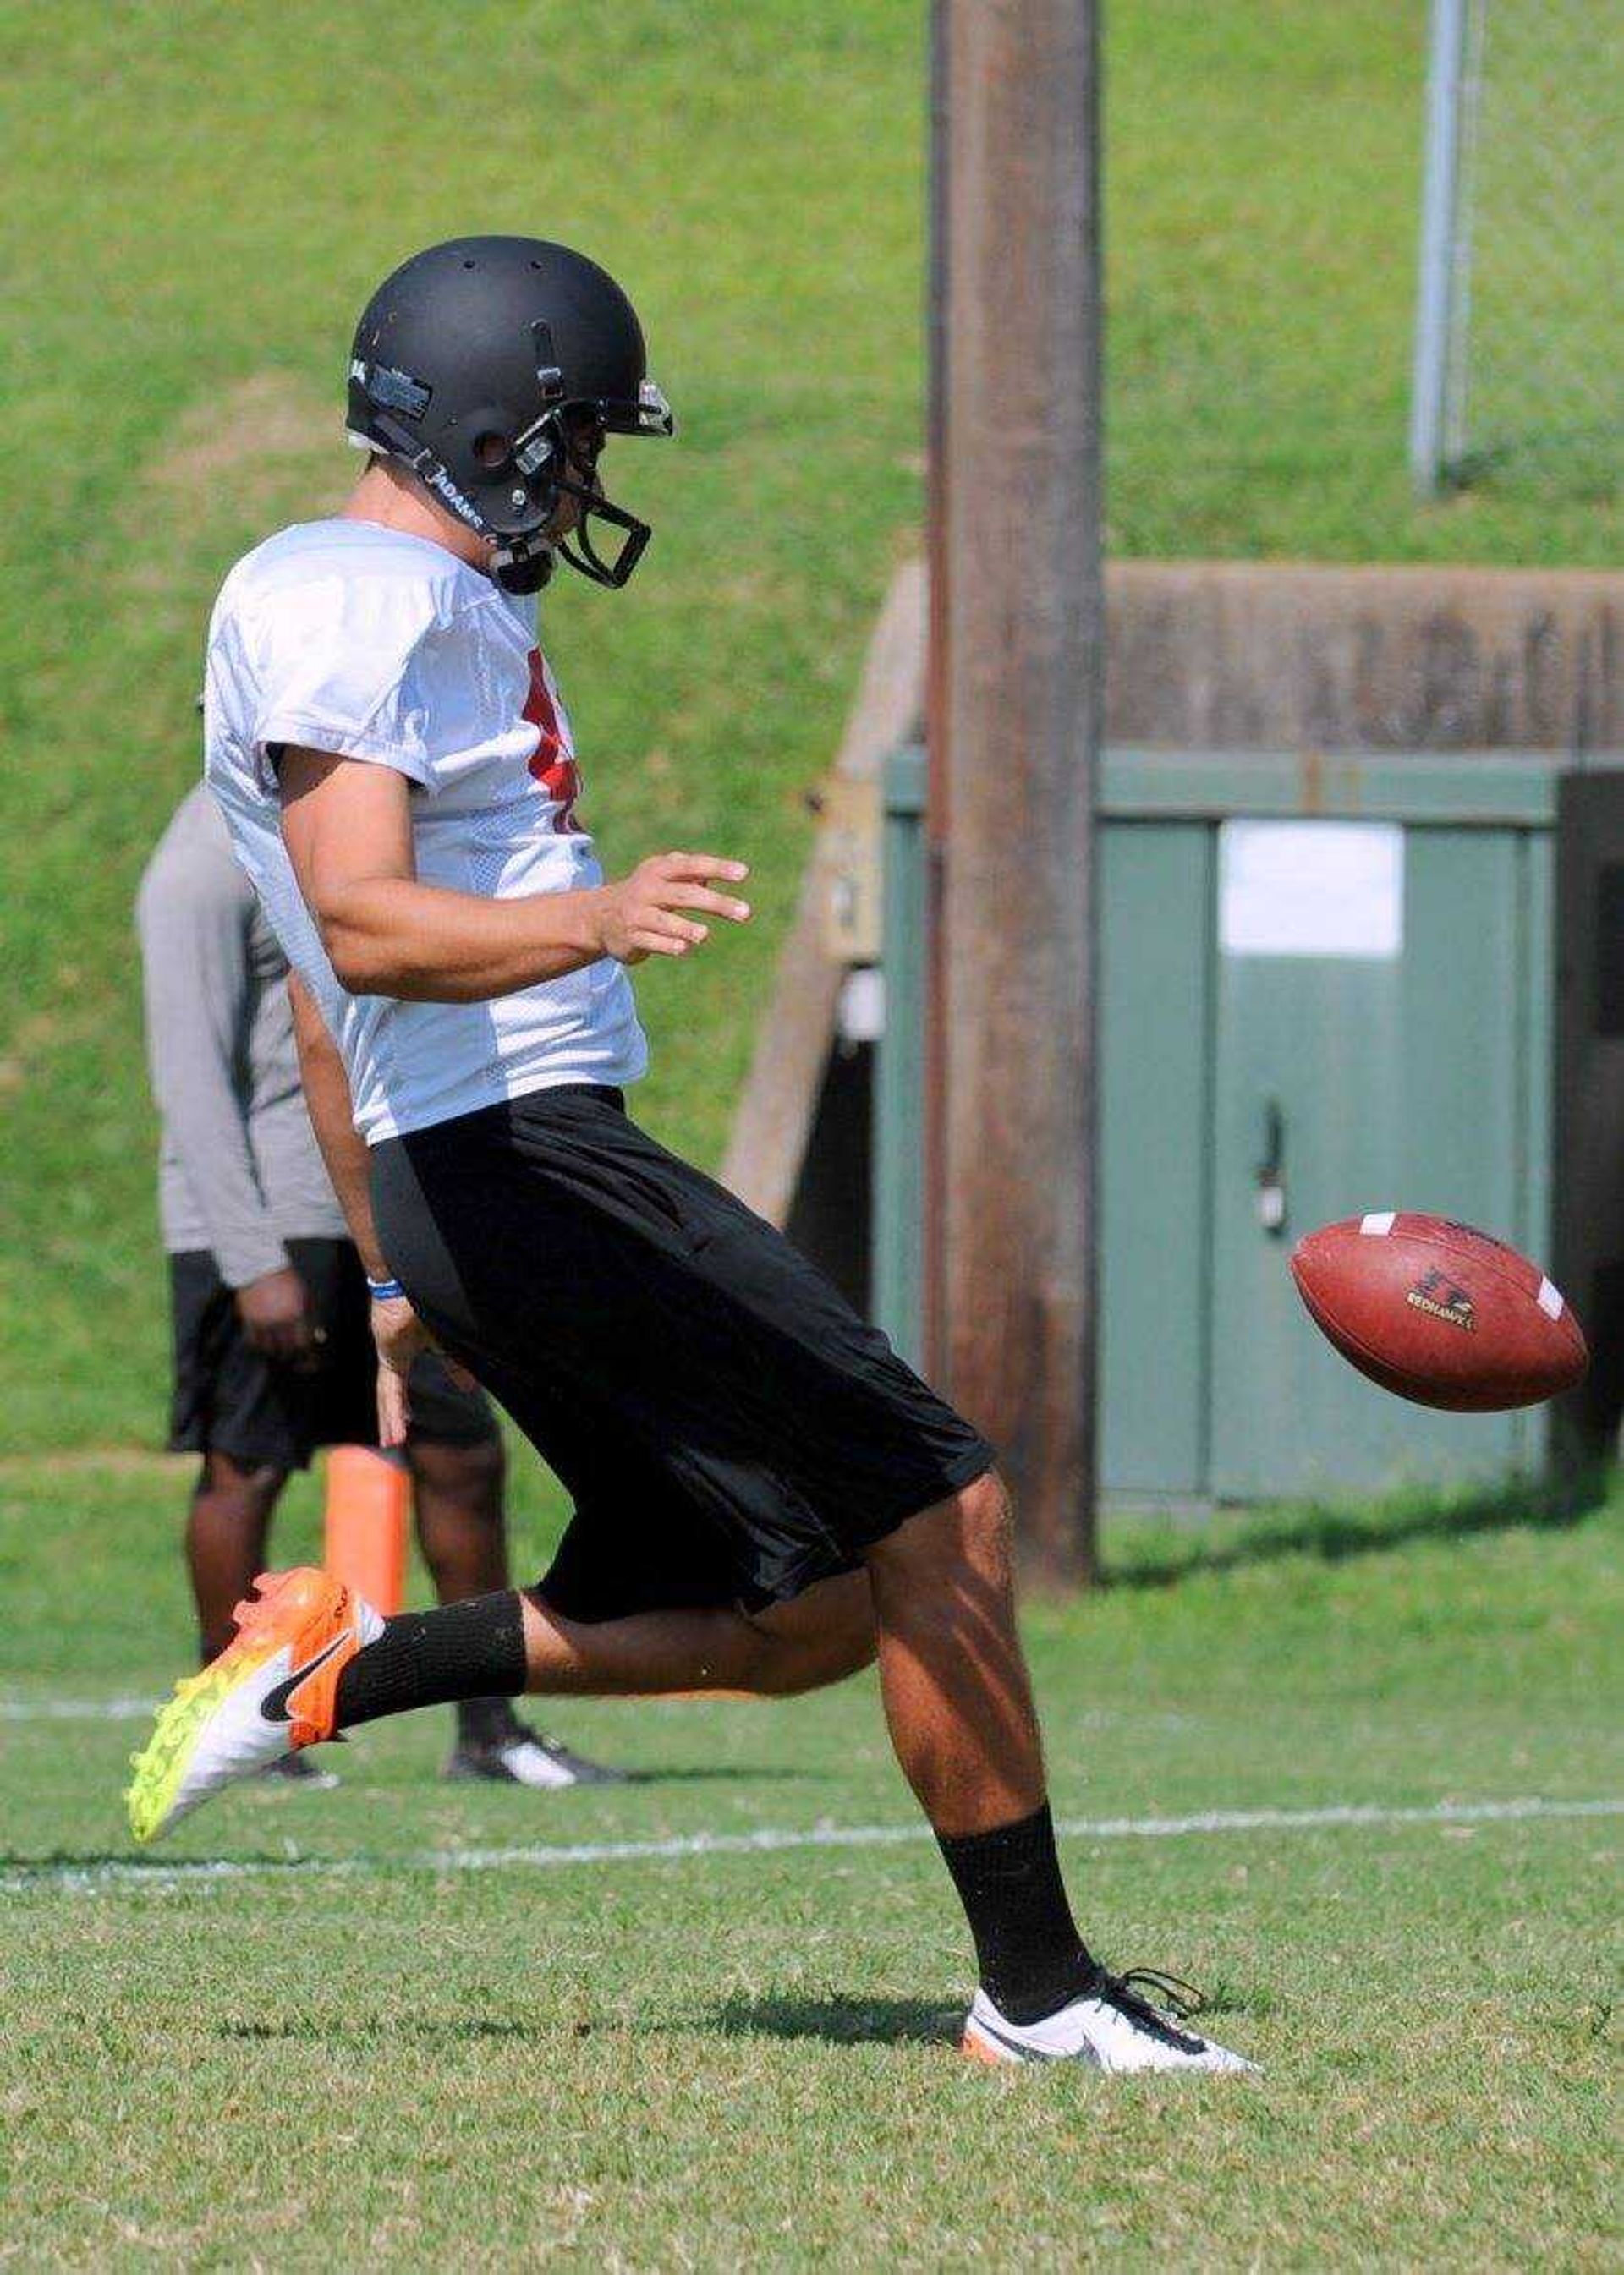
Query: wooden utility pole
[1017,632]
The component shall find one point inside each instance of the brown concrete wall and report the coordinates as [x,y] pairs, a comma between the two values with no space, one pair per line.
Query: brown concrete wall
[1268,656]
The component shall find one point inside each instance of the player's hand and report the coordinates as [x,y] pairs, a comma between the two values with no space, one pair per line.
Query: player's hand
[277,1320]
[401,1338]
[658,909]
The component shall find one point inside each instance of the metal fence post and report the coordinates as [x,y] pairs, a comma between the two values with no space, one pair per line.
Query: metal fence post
[1437,283]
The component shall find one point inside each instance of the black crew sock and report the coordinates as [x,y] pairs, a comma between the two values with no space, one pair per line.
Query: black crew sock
[1032,1961]
[425,1658]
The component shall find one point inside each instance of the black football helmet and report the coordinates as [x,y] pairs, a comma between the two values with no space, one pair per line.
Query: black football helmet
[493,367]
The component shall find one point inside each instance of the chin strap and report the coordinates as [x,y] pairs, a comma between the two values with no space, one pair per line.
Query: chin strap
[418,459]
[524,566]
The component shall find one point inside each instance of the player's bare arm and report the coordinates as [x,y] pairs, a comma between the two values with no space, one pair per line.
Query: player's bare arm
[398,1333]
[327,1096]
[347,827]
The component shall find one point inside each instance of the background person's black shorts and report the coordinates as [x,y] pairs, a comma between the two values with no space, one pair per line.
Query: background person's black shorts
[729,1428]
[230,1398]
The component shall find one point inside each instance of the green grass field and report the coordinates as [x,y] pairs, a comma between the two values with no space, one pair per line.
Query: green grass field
[197,196]
[359,2051]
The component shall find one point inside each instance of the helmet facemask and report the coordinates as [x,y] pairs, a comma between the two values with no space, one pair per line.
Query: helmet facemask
[547,459]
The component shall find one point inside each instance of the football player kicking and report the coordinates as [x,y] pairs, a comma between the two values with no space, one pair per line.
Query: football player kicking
[765,1498]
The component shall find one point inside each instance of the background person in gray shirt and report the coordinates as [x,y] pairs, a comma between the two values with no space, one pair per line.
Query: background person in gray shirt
[273,1354]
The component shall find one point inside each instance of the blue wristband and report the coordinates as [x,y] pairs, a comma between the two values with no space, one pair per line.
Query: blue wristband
[385,1291]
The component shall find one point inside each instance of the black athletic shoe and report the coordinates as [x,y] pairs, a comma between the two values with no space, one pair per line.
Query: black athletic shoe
[521,1756]
[298,1769]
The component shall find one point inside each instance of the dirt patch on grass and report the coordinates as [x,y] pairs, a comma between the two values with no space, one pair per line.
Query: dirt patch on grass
[83,1461]
[268,451]
[243,442]
[37,1037]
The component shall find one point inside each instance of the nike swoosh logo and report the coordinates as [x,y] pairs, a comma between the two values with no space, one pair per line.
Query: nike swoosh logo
[1021,2046]
[273,1706]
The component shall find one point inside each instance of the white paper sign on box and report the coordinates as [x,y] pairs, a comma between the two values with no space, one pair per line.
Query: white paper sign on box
[1310,889]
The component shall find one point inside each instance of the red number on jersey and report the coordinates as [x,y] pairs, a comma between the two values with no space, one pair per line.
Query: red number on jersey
[550,763]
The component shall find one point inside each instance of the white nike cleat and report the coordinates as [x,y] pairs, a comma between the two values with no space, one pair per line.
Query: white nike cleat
[1113,2027]
[271,1691]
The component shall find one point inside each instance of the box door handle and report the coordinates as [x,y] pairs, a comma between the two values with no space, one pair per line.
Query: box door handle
[1271,1170]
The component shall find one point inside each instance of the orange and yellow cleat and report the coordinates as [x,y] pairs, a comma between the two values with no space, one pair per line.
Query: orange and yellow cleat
[272,1690]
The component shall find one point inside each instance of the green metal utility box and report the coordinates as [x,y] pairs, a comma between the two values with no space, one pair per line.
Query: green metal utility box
[1327,986]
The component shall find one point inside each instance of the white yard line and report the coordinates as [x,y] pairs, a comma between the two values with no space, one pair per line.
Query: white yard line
[93,1876]
[141,1709]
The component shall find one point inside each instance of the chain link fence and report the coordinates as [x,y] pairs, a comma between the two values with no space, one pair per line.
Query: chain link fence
[1520,341]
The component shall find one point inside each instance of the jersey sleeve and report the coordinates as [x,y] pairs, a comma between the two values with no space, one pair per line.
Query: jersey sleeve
[339,666]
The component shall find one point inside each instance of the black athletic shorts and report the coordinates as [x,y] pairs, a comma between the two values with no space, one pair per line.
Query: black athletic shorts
[729,1429]
[231,1398]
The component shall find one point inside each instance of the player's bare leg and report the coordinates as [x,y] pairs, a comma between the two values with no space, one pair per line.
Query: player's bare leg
[227,1526]
[958,1701]
[311,1658]
[462,1531]
[457,1493]
[226,1529]
[825,1634]
[952,1673]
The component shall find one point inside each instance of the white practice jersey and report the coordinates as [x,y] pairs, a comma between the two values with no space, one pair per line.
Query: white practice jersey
[342,636]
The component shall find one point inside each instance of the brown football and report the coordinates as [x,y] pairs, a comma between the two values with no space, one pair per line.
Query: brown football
[1438,1312]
